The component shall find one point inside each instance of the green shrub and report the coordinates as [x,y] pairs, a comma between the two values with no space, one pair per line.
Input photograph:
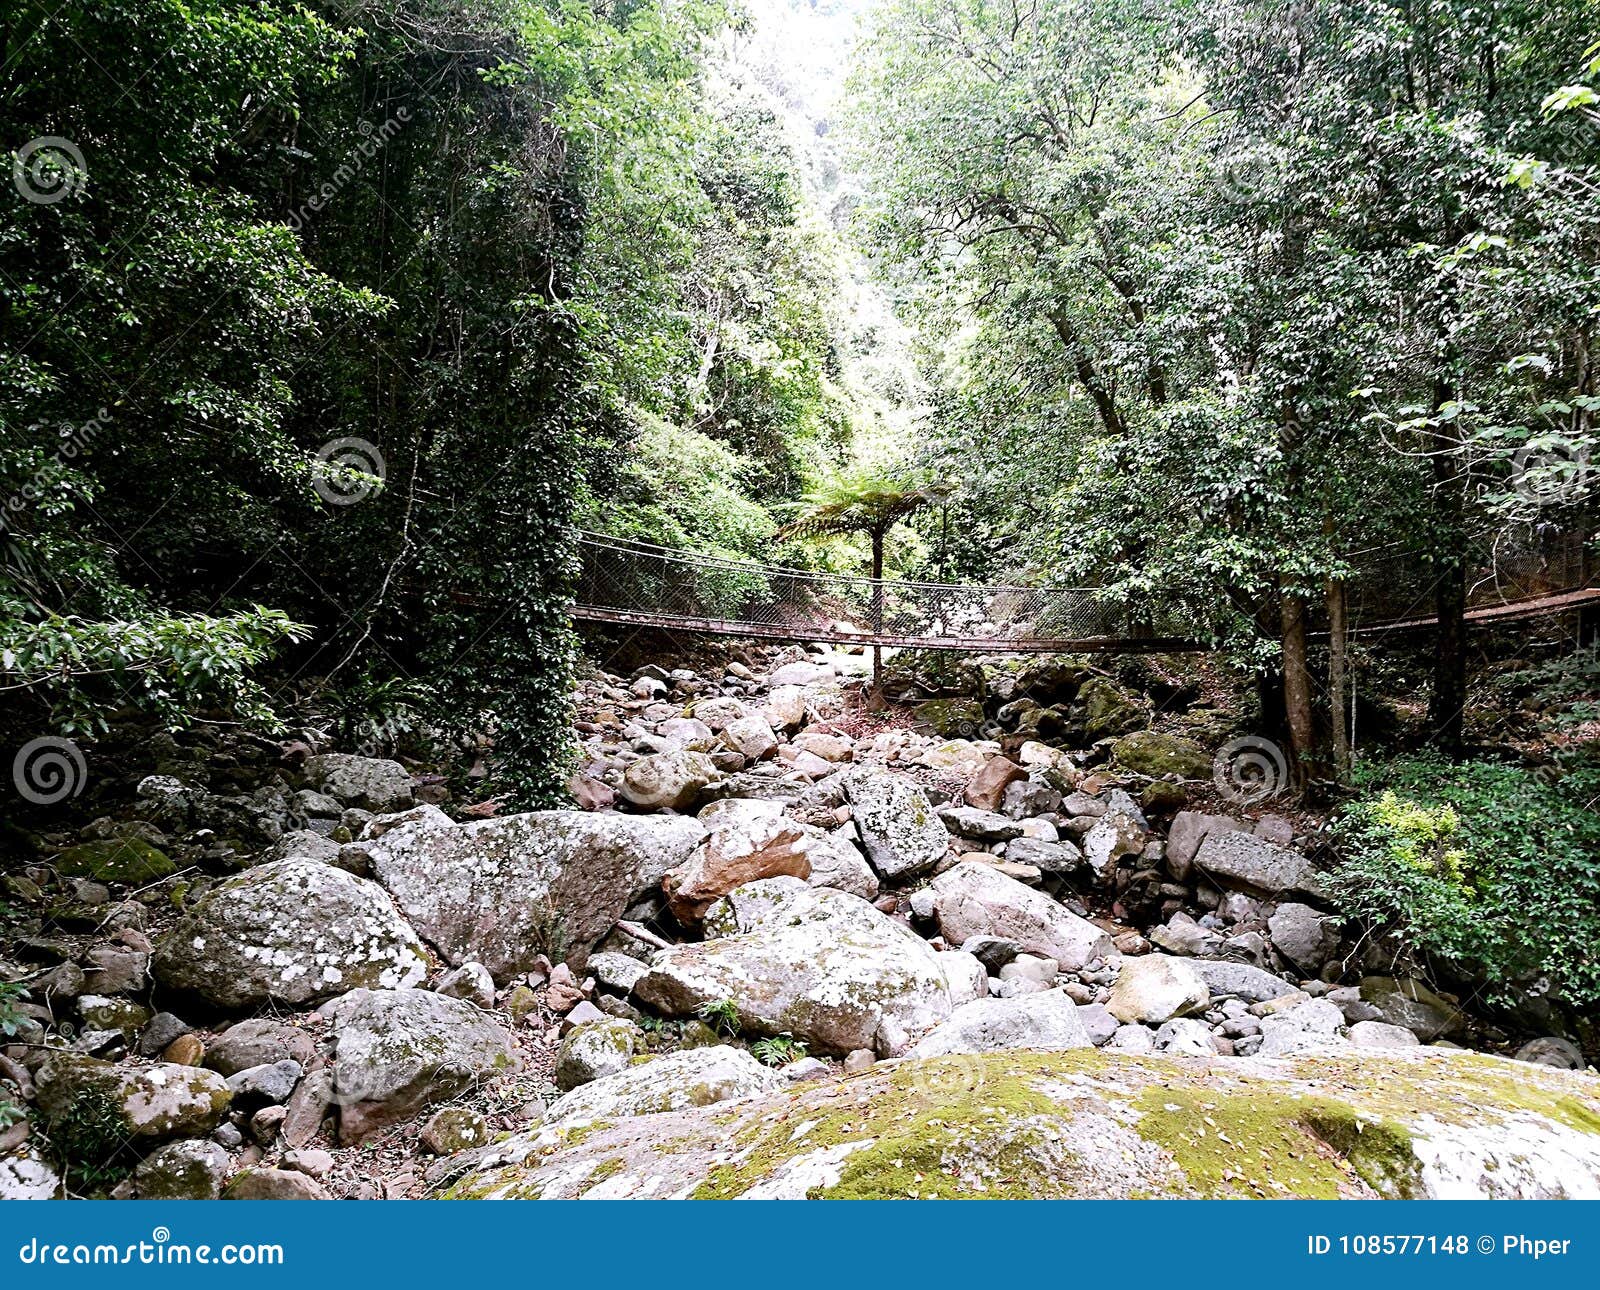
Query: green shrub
[1491,868]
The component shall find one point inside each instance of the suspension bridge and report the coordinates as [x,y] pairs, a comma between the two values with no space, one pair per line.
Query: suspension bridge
[627,582]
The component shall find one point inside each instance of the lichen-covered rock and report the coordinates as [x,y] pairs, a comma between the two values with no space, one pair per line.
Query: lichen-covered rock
[371,783]
[818,964]
[592,1051]
[82,1098]
[194,1169]
[951,718]
[671,780]
[503,891]
[898,827]
[835,862]
[26,1175]
[976,900]
[276,1184]
[1311,1024]
[292,931]
[453,1129]
[398,1050]
[1155,989]
[688,1078]
[1233,858]
[1148,752]
[1094,1124]
[1046,1021]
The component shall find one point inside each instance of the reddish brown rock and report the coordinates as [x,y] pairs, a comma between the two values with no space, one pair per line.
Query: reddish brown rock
[986,789]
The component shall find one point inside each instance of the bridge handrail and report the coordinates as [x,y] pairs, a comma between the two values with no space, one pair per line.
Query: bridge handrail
[677,555]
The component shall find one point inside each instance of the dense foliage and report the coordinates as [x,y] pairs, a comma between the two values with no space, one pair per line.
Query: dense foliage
[1493,870]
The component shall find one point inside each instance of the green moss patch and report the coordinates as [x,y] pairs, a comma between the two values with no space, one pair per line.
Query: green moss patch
[131,861]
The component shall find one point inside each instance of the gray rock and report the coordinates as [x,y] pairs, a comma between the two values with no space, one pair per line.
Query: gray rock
[292,931]
[615,971]
[1241,980]
[1380,1034]
[1156,988]
[1403,1002]
[370,783]
[470,981]
[1236,859]
[1028,797]
[25,1175]
[688,1078]
[1304,936]
[818,964]
[977,900]
[1047,1021]
[259,1041]
[1046,857]
[668,780]
[1112,836]
[1189,829]
[1133,1038]
[501,892]
[1098,1024]
[190,1170]
[1315,1023]
[898,827]
[272,1083]
[160,1031]
[594,1051]
[1185,1037]
[398,1050]
[978,825]
[1550,1050]
[148,1104]
[303,844]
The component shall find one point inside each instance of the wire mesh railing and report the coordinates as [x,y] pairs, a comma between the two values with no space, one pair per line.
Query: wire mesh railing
[626,580]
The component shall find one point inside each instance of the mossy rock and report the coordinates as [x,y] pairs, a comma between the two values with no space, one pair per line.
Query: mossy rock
[1148,753]
[1108,709]
[131,861]
[952,718]
[1097,1124]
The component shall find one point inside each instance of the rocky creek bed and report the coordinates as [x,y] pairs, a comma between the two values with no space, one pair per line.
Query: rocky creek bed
[1007,945]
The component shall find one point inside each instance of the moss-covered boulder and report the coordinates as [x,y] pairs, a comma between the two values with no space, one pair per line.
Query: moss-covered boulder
[1146,752]
[130,861]
[598,1049]
[952,718]
[93,1109]
[1108,709]
[1094,1124]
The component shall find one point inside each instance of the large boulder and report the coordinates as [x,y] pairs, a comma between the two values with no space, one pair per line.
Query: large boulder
[1047,1020]
[592,1051]
[691,1077]
[369,783]
[669,780]
[898,827]
[1233,858]
[974,899]
[1184,836]
[398,1050]
[292,932]
[1241,980]
[1146,752]
[731,856]
[94,1108]
[1094,1124]
[1408,1003]
[811,962]
[1304,936]
[1108,709]
[189,1170]
[501,892]
[1156,988]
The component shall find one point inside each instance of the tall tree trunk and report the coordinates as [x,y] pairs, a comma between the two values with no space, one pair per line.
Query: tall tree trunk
[1297,687]
[1338,644]
[1449,698]
[1269,680]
